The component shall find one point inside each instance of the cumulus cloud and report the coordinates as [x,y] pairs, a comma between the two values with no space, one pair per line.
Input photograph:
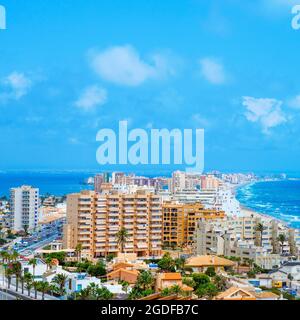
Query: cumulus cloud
[16,85]
[123,65]
[266,112]
[294,102]
[213,71]
[92,97]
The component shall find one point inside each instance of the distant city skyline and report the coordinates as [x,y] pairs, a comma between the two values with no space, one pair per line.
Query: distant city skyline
[69,69]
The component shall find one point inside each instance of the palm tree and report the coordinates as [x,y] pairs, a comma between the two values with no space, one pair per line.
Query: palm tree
[22,279]
[35,285]
[52,288]
[33,263]
[78,250]
[180,264]
[4,256]
[48,263]
[60,279]
[44,287]
[238,260]
[145,280]
[260,228]
[26,227]
[14,256]
[282,239]
[176,289]
[28,281]
[122,237]
[291,278]
[17,271]
[9,273]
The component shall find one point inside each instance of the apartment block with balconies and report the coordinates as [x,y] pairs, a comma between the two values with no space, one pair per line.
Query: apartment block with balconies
[180,222]
[94,220]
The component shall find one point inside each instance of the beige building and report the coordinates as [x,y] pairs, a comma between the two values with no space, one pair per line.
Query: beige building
[180,222]
[93,220]
[237,236]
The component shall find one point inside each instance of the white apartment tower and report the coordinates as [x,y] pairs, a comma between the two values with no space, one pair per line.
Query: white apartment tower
[24,202]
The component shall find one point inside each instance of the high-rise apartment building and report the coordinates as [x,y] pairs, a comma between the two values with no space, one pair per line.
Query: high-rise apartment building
[24,204]
[180,221]
[94,220]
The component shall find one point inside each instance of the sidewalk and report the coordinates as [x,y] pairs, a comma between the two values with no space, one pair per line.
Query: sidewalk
[12,290]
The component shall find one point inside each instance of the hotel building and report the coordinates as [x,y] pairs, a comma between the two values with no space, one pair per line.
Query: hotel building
[24,204]
[180,221]
[94,219]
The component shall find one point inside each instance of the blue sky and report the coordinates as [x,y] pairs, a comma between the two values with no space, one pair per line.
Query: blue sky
[70,68]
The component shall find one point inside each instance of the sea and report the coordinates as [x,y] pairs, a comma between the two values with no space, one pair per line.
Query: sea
[54,183]
[57,183]
[279,199]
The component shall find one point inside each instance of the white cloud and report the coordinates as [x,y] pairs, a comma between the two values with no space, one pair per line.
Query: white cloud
[201,121]
[266,112]
[16,85]
[294,102]
[123,65]
[213,71]
[92,97]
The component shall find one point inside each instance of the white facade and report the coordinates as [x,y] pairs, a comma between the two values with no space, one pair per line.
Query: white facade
[24,208]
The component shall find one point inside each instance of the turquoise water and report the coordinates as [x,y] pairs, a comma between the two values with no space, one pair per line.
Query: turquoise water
[279,199]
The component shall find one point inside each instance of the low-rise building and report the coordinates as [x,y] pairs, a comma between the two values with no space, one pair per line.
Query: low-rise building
[201,263]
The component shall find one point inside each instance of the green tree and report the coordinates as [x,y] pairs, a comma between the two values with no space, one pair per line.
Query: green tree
[220,282]
[110,257]
[189,282]
[9,273]
[33,263]
[210,271]
[200,279]
[60,279]
[14,255]
[282,239]
[43,287]
[180,264]
[78,251]
[17,271]
[145,280]
[4,256]
[122,237]
[35,285]
[28,279]
[260,229]
[208,291]
[97,270]
[166,263]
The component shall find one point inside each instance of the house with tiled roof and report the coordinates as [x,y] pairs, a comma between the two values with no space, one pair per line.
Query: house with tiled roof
[235,293]
[201,263]
[122,274]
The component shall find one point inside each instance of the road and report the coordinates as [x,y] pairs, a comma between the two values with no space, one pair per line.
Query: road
[35,241]
[6,296]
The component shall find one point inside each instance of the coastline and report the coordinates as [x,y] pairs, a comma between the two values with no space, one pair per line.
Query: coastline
[246,211]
